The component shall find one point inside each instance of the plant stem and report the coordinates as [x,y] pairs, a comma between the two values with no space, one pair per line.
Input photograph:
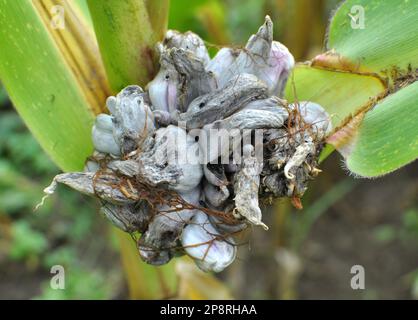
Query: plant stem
[126,40]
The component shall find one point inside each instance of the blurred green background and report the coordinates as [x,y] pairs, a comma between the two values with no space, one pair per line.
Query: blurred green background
[306,254]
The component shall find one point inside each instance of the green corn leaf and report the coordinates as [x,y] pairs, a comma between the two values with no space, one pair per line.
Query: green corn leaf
[340,93]
[158,14]
[126,40]
[375,35]
[379,136]
[387,138]
[52,76]
[83,10]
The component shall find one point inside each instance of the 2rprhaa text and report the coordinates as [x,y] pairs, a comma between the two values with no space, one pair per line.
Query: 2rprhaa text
[209,309]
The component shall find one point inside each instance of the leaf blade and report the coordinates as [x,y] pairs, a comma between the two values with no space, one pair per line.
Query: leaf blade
[340,93]
[383,43]
[42,86]
[387,138]
[126,40]
[158,13]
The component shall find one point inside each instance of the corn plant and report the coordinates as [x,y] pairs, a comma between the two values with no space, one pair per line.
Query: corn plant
[59,60]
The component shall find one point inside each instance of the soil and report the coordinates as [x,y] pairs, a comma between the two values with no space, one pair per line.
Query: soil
[344,237]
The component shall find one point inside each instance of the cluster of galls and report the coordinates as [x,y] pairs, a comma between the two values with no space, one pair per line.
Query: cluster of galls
[152,150]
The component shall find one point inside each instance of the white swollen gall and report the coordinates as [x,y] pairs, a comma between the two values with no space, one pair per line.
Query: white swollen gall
[188,41]
[159,243]
[210,250]
[163,88]
[132,118]
[222,65]
[102,135]
[269,60]
[179,150]
[315,116]
[182,75]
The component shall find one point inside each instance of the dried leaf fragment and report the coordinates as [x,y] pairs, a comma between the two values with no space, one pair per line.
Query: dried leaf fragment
[247,182]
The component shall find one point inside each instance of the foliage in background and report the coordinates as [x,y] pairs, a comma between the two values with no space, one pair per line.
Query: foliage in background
[59,232]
